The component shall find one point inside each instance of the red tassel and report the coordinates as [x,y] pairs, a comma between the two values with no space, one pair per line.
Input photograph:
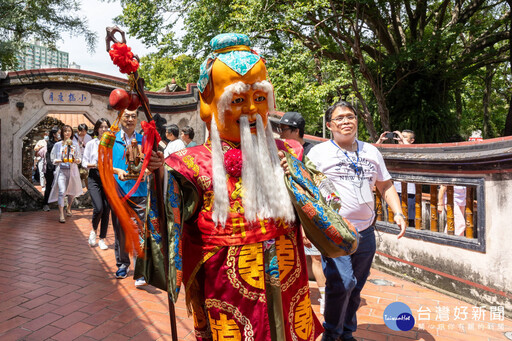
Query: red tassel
[128,219]
[123,57]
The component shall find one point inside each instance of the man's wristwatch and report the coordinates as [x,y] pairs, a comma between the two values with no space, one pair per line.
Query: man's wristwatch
[400,214]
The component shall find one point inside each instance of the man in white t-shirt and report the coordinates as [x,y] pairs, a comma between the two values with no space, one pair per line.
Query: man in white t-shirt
[175,143]
[354,167]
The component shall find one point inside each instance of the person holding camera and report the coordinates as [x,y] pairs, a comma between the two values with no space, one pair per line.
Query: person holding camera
[404,137]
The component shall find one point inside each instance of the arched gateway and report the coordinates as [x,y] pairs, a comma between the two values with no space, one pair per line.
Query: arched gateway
[31,96]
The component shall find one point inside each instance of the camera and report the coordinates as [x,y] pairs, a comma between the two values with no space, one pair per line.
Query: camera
[391,137]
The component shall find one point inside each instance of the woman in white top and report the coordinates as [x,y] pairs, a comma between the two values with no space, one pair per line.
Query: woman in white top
[101,208]
[66,157]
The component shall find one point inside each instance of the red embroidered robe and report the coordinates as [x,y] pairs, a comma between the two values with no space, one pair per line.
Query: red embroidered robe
[243,281]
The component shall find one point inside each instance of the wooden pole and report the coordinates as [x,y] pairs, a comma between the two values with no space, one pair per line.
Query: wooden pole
[470,232]
[391,215]
[378,205]
[433,209]
[449,211]
[405,208]
[417,207]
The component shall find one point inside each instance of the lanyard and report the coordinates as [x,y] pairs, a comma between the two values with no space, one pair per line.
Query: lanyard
[355,166]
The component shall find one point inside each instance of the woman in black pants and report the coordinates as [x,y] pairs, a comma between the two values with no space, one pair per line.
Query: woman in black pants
[101,208]
[50,167]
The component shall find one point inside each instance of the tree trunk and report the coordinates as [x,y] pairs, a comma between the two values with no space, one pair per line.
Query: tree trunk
[365,113]
[376,87]
[458,104]
[489,73]
[508,122]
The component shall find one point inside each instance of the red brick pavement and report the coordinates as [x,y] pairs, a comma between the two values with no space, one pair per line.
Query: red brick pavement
[53,286]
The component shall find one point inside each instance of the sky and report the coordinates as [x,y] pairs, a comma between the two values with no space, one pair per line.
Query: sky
[99,15]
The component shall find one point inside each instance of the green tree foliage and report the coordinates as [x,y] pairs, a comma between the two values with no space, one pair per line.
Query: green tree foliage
[410,65]
[159,71]
[43,20]
[298,79]
[472,102]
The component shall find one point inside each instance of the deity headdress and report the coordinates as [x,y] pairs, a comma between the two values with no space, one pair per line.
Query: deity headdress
[234,50]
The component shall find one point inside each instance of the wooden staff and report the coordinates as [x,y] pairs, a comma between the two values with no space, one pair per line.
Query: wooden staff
[158,179]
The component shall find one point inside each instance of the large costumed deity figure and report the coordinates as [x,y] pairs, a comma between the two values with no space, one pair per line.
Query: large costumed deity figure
[234,236]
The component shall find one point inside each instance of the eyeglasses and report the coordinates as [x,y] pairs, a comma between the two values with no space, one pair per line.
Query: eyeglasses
[280,130]
[340,119]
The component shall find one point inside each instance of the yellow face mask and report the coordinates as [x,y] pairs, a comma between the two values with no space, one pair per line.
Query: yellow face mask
[227,111]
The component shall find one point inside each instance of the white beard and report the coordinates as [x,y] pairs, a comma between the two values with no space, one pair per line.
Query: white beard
[264,193]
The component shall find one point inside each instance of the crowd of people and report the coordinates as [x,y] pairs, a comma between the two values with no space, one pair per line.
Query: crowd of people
[65,154]
[229,205]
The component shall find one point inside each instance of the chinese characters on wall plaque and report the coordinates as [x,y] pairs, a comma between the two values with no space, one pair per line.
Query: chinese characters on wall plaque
[67,97]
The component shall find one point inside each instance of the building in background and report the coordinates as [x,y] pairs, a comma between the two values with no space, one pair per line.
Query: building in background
[35,56]
[74,65]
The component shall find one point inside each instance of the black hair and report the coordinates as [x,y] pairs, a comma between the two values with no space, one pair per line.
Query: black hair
[52,133]
[98,124]
[339,104]
[83,126]
[174,130]
[301,130]
[188,130]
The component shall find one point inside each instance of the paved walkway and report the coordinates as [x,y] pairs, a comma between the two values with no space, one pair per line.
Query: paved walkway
[54,286]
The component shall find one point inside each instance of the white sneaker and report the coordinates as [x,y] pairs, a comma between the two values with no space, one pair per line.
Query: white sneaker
[141,282]
[102,244]
[46,208]
[92,238]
